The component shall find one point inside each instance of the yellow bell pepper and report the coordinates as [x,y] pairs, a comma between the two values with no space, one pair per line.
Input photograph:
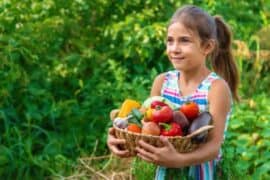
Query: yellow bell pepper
[127,106]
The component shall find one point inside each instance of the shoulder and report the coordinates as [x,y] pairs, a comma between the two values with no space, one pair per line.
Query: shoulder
[219,93]
[160,78]
[157,84]
[218,86]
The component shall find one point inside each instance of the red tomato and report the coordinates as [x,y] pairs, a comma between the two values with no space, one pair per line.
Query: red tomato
[134,128]
[190,110]
[162,114]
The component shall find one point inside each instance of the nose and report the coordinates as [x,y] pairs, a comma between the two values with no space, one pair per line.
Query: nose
[174,47]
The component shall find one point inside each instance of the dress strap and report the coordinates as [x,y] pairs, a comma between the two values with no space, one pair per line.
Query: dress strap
[169,88]
[206,84]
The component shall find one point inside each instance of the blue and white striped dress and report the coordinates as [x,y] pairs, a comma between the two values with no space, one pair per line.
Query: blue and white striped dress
[171,91]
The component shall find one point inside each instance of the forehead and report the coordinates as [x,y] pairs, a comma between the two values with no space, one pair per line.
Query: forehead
[178,29]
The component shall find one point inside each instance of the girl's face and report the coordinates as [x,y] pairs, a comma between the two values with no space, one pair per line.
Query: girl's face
[184,48]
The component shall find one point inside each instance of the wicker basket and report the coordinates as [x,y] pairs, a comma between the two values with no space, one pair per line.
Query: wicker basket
[182,144]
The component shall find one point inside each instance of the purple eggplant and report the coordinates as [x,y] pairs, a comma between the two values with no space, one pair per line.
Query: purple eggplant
[181,119]
[203,119]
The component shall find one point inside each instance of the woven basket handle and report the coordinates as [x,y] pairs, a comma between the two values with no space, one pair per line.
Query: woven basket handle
[201,130]
[114,113]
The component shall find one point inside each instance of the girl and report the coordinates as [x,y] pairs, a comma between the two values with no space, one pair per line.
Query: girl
[193,38]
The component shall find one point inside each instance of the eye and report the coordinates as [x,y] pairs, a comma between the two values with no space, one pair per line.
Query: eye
[169,40]
[184,39]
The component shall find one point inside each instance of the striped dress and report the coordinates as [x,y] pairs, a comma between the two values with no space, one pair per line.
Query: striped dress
[171,91]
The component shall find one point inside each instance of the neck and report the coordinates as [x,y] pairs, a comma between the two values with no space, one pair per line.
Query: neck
[196,75]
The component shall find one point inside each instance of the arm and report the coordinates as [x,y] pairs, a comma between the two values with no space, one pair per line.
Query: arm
[157,85]
[219,106]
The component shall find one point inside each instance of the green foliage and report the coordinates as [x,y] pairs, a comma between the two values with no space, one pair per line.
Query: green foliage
[246,148]
[249,136]
[143,170]
[66,64]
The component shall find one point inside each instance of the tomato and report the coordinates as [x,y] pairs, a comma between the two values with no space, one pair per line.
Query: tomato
[190,110]
[134,128]
[162,114]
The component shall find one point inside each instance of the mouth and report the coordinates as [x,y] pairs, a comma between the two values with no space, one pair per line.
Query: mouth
[177,59]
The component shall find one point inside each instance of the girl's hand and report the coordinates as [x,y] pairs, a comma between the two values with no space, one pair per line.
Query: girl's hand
[113,144]
[164,156]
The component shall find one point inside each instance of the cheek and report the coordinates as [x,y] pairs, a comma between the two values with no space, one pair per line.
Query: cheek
[167,51]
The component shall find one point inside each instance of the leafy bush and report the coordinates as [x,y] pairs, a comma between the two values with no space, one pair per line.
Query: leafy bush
[249,137]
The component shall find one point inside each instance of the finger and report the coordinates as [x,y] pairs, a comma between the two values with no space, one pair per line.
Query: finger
[147,147]
[165,141]
[145,158]
[111,131]
[118,152]
[145,154]
[113,146]
[115,141]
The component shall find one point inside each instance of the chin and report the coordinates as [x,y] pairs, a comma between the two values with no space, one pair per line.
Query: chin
[178,66]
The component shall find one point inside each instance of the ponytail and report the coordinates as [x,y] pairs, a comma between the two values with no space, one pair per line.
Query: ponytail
[222,59]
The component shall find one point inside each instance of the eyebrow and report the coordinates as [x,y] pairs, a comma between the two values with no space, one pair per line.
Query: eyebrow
[184,36]
[180,37]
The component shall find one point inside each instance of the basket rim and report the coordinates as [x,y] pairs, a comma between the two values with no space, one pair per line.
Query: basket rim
[189,136]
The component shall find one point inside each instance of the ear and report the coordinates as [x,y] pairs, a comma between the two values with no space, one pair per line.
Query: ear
[209,47]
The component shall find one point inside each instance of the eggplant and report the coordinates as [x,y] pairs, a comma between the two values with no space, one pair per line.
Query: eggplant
[203,119]
[181,119]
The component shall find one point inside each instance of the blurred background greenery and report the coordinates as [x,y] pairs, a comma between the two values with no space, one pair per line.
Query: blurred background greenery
[66,63]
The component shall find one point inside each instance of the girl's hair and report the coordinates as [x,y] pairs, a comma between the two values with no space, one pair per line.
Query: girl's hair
[208,27]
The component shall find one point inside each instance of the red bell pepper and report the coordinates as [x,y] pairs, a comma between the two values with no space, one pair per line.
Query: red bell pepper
[158,103]
[171,129]
[162,114]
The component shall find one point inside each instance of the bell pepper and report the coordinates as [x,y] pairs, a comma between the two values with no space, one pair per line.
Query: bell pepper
[171,129]
[162,114]
[127,107]
[158,103]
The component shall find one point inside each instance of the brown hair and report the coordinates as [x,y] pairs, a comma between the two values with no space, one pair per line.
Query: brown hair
[208,27]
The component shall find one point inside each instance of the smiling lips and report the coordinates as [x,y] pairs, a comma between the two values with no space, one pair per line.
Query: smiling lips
[177,59]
